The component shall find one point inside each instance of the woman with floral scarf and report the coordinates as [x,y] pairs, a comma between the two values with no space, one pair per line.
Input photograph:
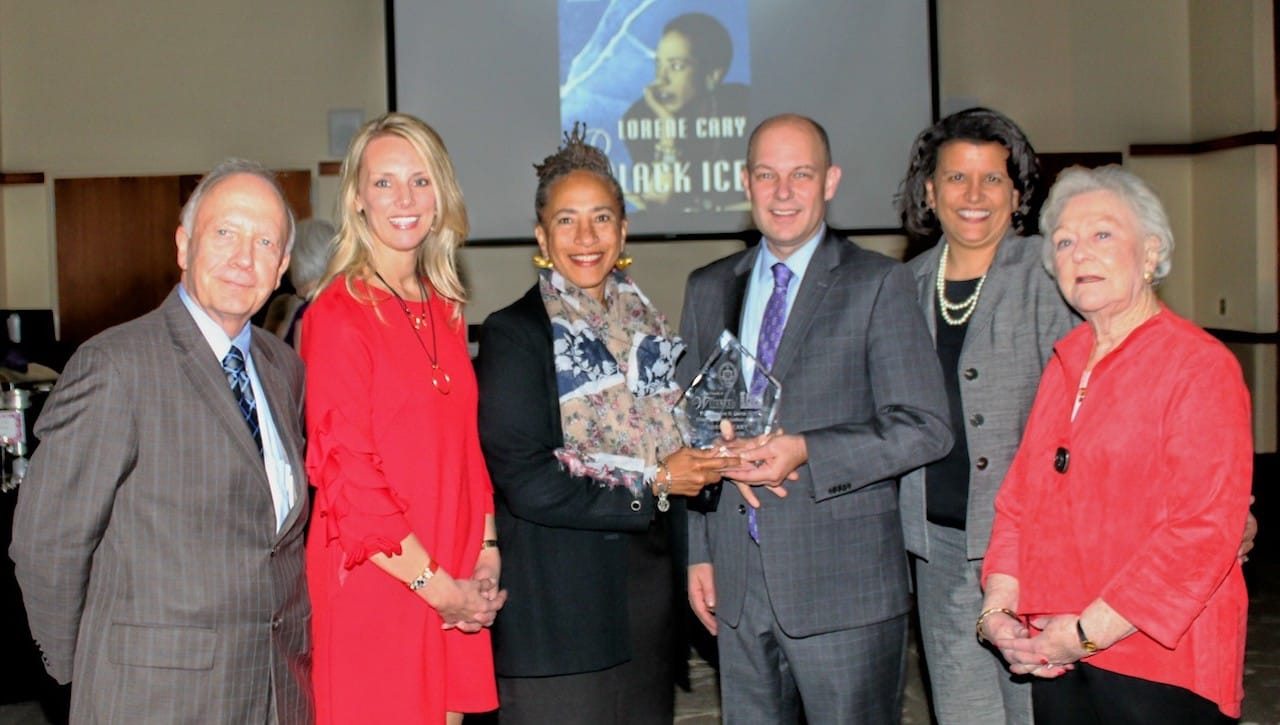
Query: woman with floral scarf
[576,389]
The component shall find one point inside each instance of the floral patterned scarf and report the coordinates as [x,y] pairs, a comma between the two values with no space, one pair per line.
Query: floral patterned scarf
[615,372]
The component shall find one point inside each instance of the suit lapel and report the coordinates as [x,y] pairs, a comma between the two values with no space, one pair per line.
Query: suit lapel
[992,289]
[926,288]
[736,292]
[813,289]
[207,379]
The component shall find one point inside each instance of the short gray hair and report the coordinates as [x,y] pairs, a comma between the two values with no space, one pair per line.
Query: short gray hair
[224,170]
[311,254]
[1130,189]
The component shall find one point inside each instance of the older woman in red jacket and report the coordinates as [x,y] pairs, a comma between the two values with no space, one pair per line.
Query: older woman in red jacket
[1112,573]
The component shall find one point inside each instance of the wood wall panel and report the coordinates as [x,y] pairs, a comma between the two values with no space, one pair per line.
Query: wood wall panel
[116,252]
[297,191]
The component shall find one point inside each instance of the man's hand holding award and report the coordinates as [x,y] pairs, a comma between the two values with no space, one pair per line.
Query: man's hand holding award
[731,405]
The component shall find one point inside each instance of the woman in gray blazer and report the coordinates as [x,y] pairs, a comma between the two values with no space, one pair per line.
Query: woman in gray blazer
[995,314]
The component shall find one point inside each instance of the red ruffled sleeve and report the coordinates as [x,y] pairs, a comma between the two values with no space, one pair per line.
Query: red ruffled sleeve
[354,502]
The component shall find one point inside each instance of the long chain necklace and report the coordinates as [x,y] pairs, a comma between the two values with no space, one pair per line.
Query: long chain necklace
[439,378]
[945,306]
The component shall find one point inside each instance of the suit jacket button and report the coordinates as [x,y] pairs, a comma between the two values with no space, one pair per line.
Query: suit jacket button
[273,552]
[976,419]
[275,624]
[981,463]
[970,373]
[742,509]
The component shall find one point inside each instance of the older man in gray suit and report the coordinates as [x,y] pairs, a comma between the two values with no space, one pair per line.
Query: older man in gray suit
[158,536]
[809,592]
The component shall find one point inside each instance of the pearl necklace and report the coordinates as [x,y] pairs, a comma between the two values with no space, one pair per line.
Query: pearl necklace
[967,306]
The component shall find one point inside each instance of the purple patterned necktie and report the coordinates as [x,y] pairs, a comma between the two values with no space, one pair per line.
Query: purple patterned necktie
[775,319]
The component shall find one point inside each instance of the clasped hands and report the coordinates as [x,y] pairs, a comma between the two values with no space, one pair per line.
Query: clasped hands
[473,603]
[769,460]
[1051,651]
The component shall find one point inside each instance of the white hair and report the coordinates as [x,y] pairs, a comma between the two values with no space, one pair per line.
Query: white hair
[1130,189]
[224,170]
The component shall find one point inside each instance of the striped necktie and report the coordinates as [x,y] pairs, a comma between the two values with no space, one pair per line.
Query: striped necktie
[238,379]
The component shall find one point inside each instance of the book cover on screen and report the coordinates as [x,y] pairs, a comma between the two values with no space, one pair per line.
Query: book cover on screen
[664,89]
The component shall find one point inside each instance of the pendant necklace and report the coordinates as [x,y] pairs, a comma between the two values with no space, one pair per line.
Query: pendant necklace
[946,306]
[440,379]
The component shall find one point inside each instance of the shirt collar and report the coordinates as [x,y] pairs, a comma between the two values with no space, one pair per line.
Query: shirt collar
[798,262]
[213,333]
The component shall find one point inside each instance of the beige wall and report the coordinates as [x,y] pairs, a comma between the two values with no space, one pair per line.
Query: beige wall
[156,86]
[1231,39]
[118,87]
[3,265]
[1099,75]
[1233,234]
[1077,75]
[114,87]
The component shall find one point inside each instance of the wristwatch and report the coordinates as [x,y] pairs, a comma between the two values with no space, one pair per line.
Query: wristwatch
[1089,646]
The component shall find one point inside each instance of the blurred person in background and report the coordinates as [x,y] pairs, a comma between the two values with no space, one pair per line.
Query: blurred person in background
[307,266]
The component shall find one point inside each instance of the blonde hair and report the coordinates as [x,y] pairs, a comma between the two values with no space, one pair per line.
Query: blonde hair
[437,255]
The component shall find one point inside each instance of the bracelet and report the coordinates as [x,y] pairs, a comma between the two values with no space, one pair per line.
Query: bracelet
[421,580]
[664,488]
[489,544]
[982,618]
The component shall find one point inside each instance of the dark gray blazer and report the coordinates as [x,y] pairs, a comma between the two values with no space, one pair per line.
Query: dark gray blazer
[1020,315]
[861,382]
[145,537]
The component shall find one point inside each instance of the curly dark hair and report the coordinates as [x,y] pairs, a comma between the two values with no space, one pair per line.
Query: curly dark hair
[575,155]
[709,40]
[978,125]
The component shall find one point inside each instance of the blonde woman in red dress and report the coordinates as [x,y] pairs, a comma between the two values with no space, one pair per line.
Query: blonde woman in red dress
[402,560]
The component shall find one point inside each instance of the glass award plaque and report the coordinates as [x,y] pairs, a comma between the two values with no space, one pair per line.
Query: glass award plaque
[731,386]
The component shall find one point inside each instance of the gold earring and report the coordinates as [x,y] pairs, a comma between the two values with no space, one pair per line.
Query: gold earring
[541,262]
[1148,277]
[623,263]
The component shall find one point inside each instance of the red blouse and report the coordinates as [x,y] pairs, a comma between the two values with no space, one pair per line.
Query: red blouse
[1148,513]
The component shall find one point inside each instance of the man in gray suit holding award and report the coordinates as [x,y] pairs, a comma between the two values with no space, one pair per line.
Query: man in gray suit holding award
[808,593]
[158,535]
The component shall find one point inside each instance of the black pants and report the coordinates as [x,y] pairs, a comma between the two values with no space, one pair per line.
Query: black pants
[1092,696]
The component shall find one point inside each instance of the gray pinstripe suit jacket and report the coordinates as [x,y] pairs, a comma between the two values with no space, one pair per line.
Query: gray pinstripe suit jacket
[145,538]
[1020,315]
[860,380]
